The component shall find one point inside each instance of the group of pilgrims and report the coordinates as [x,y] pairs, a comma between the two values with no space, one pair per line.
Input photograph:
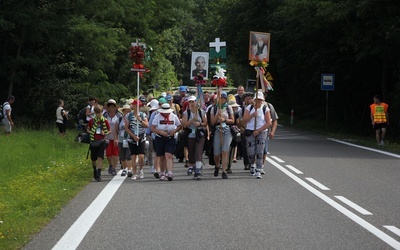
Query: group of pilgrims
[154,130]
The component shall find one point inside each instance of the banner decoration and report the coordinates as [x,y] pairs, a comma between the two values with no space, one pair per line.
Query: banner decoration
[199,79]
[219,78]
[137,54]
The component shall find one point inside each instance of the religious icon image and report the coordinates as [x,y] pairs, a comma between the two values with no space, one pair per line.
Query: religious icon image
[259,46]
[199,64]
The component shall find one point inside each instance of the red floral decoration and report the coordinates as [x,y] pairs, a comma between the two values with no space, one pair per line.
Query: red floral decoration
[199,79]
[136,53]
[219,82]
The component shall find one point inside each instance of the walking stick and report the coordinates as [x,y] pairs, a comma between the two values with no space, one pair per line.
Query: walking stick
[255,103]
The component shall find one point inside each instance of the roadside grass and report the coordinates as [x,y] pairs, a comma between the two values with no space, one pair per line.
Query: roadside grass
[40,172]
[362,138]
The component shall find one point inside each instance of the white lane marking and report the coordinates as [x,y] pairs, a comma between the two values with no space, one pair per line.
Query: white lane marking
[294,169]
[353,205]
[75,234]
[357,219]
[393,229]
[277,159]
[317,183]
[366,148]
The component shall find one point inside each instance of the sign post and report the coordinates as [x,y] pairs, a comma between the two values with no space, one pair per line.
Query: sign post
[327,84]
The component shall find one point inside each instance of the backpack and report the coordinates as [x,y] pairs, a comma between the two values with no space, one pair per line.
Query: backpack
[264,108]
[81,116]
[1,111]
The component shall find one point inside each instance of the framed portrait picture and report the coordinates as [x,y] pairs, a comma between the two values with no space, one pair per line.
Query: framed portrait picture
[199,65]
[259,46]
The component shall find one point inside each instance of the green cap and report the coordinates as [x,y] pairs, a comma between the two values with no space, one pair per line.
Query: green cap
[162,100]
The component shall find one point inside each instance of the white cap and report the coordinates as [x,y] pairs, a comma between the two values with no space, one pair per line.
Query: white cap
[153,104]
[192,98]
[259,95]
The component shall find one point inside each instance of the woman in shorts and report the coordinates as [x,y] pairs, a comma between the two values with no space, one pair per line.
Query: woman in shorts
[165,125]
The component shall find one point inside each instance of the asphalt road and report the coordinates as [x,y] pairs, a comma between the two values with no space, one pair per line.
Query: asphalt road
[317,194]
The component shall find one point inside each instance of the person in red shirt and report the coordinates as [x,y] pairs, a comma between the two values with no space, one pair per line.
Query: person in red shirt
[379,119]
[98,128]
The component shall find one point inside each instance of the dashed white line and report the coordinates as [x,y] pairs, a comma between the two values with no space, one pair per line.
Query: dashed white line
[318,184]
[357,219]
[277,159]
[393,229]
[294,169]
[353,205]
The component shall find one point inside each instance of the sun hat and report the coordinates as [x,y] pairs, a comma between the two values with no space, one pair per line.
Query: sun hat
[112,101]
[164,94]
[233,104]
[153,104]
[259,95]
[165,109]
[191,98]
[126,106]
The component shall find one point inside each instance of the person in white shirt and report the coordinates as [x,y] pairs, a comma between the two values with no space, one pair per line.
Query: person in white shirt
[165,125]
[258,120]
[7,120]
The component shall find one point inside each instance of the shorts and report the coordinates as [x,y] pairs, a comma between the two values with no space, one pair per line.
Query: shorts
[137,149]
[61,127]
[226,138]
[97,152]
[380,125]
[165,145]
[124,153]
[112,149]
[7,125]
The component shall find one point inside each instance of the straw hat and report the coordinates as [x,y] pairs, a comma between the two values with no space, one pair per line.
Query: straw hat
[126,106]
[233,103]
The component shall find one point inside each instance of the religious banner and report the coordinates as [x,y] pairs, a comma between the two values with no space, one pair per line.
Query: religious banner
[217,54]
[199,65]
[259,46]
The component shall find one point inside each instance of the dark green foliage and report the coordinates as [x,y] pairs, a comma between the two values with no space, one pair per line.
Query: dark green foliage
[72,50]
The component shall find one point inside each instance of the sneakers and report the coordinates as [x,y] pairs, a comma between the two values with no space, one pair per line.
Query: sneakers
[170,177]
[382,143]
[157,175]
[186,164]
[216,171]
[197,174]
[113,172]
[134,177]
[152,170]
[110,169]
[129,173]
[252,170]
[190,171]
[163,178]
[258,175]
[141,174]
[262,171]
[123,173]
[229,171]
[224,176]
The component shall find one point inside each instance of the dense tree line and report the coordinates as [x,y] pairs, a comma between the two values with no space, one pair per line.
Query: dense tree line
[73,49]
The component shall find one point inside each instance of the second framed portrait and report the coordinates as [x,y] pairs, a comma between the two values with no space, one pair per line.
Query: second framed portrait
[259,45]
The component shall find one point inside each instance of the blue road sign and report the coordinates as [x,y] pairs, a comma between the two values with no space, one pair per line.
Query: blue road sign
[328,82]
